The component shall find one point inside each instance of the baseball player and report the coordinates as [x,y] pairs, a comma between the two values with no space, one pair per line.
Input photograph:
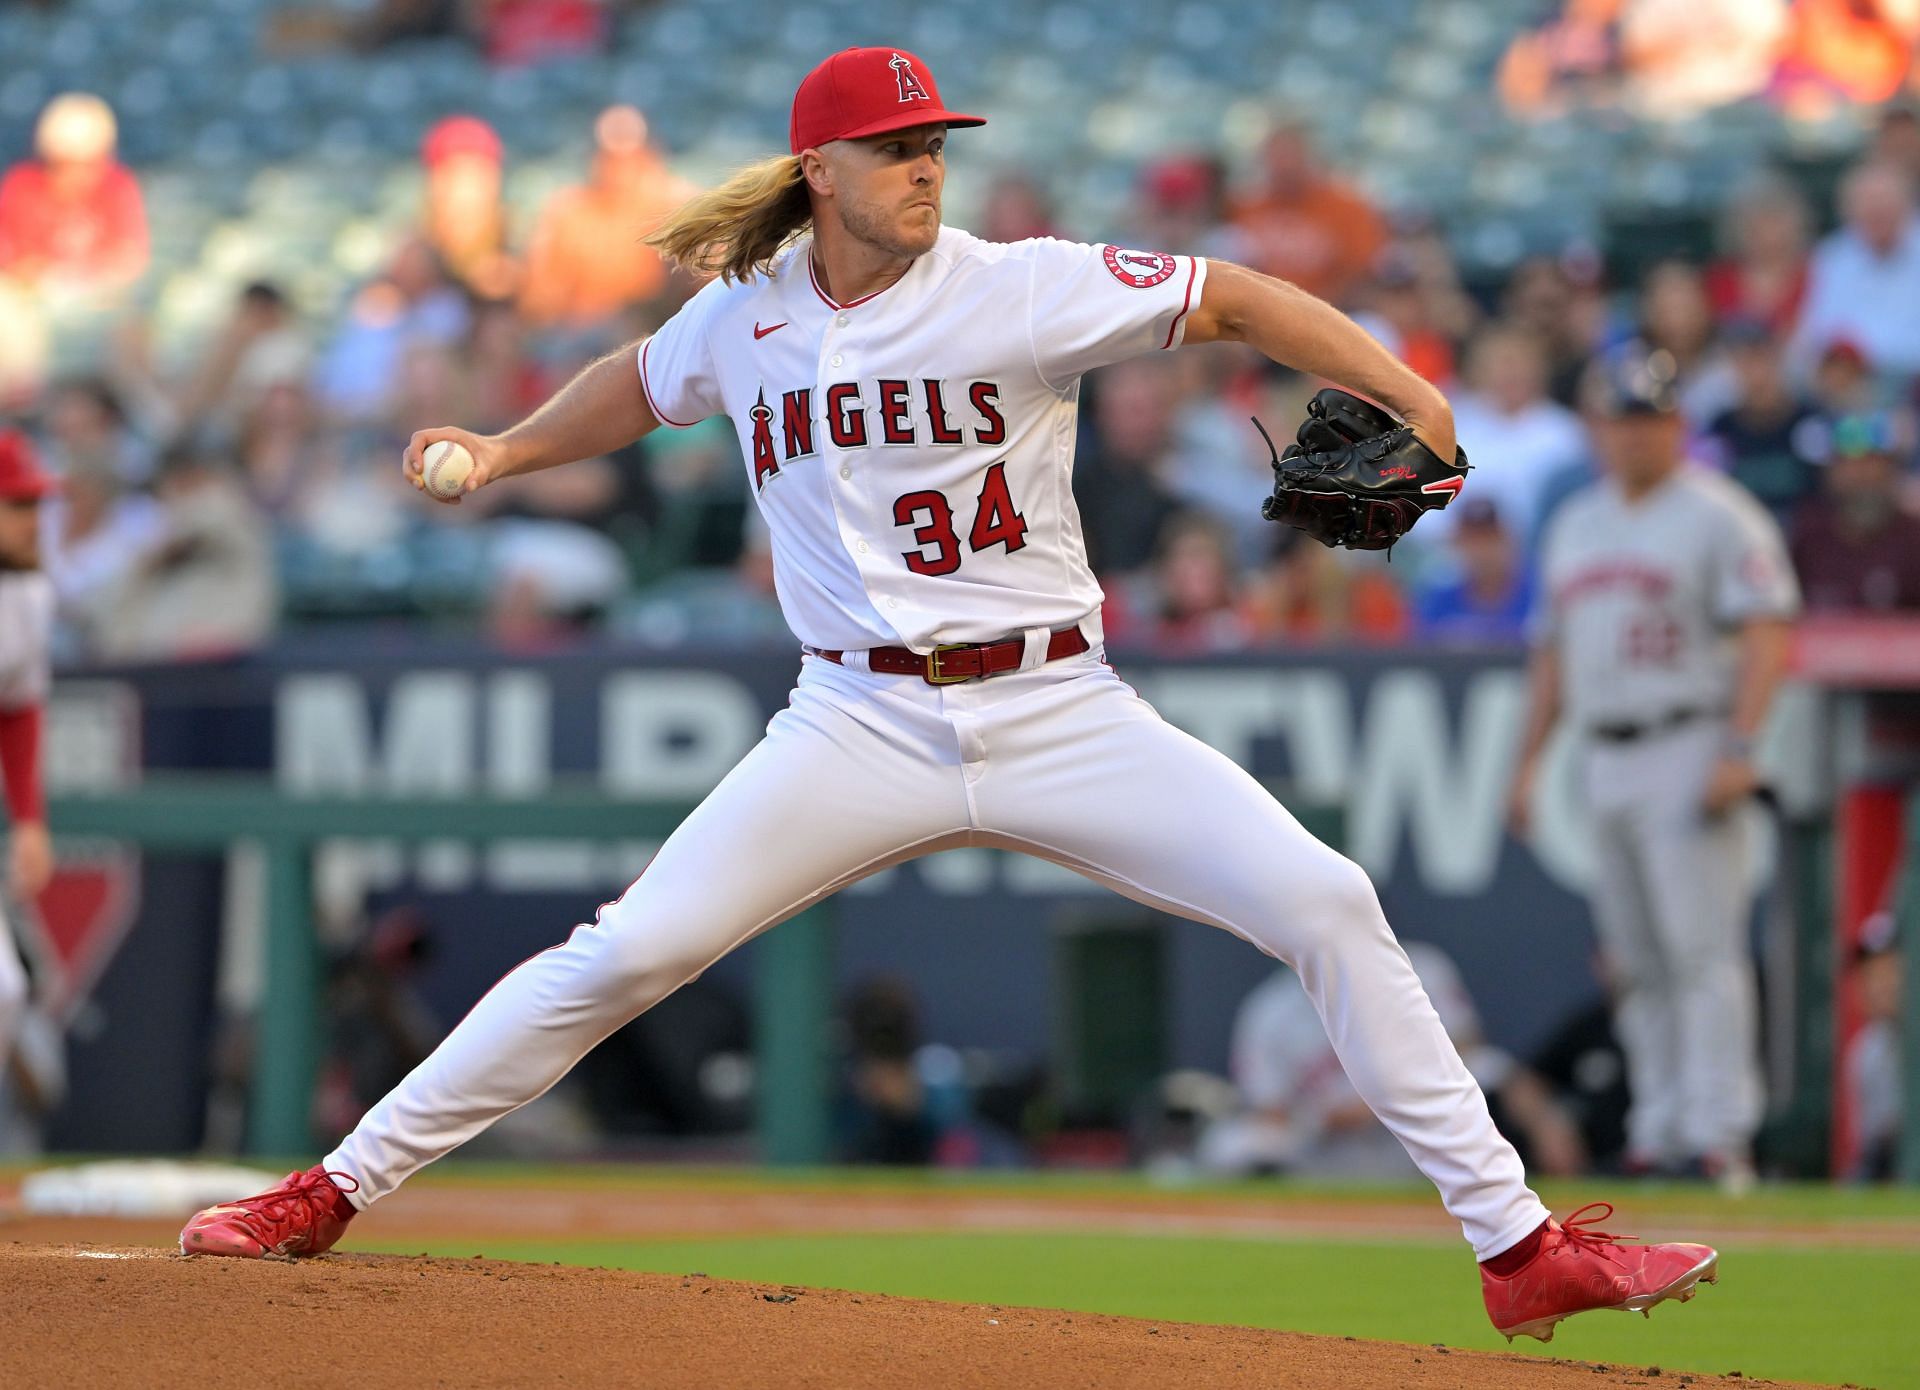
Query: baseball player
[26,623]
[1662,635]
[905,399]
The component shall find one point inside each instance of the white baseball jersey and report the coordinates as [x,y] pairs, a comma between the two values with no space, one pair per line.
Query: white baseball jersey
[912,451]
[1641,598]
[26,627]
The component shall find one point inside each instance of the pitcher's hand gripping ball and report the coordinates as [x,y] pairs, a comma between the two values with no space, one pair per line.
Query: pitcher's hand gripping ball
[1357,476]
[444,467]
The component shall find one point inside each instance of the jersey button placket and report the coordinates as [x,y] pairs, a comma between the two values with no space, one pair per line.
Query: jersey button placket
[830,370]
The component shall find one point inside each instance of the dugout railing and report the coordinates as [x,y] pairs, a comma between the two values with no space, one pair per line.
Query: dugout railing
[793,988]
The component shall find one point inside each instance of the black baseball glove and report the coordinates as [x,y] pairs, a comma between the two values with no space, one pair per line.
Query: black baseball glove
[1357,476]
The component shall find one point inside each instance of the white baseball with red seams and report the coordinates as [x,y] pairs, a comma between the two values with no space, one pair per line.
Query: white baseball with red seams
[911,453]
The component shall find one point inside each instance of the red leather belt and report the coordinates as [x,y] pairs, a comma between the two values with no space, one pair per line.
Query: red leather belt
[953,664]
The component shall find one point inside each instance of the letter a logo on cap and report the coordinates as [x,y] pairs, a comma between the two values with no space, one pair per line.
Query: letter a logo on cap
[910,88]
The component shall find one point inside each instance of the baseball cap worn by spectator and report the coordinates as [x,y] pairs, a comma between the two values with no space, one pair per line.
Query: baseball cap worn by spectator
[458,136]
[21,479]
[860,92]
[1635,381]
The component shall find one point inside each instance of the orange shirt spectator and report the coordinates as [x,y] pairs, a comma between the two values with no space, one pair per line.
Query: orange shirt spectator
[1313,594]
[1305,226]
[586,262]
[1852,50]
[73,217]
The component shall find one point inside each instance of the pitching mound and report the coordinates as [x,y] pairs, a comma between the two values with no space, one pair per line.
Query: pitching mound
[127,1316]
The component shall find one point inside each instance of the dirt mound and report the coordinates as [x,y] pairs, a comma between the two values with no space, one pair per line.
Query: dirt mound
[126,1316]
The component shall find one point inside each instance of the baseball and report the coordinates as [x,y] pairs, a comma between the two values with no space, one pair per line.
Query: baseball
[444,467]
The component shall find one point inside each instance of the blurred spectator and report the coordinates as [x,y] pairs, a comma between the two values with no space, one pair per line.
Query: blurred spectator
[1570,61]
[1398,310]
[1312,594]
[379,1027]
[1871,1070]
[586,261]
[1559,302]
[1488,597]
[1660,59]
[1303,1116]
[1179,205]
[1864,285]
[1754,440]
[1686,58]
[87,432]
[1515,437]
[411,305]
[465,218]
[261,346]
[1302,224]
[1844,381]
[1194,594]
[1762,270]
[1675,315]
[1853,546]
[1017,208]
[284,451]
[1118,474]
[1896,140]
[1844,52]
[205,585]
[94,529]
[532,31]
[884,1114]
[1583,1065]
[72,220]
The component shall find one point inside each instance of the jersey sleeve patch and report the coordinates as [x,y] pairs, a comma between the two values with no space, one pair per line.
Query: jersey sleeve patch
[1140,270]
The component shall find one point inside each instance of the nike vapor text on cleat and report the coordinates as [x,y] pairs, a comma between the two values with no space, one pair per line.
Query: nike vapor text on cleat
[304,1215]
[1579,1268]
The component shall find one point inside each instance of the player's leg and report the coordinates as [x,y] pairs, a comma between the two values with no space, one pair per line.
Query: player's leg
[1643,1011]
[841,785]
[1083,772]
[1698,870]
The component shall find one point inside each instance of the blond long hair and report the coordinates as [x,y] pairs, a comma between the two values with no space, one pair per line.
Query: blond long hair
[737,229]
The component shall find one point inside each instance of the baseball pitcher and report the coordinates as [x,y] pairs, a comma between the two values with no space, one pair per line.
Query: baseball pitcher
[905,397]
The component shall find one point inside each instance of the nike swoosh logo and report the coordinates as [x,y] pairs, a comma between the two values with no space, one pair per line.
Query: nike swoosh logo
[759,332]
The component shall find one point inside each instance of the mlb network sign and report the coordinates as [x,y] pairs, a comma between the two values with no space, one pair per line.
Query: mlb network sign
[1417,752]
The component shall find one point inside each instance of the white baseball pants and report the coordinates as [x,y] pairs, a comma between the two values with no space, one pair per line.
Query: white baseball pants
[1060,760]
[1671,904]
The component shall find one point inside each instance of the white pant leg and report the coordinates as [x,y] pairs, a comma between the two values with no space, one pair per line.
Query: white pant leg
[1638,973]
[842,785]
[13,992]
[1697,873]
[1078,769]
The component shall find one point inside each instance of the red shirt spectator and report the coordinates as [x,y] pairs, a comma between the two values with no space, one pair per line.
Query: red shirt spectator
[532,31]
[74,216]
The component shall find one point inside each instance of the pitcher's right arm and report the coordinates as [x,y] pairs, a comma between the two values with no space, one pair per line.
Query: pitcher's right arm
[602,409]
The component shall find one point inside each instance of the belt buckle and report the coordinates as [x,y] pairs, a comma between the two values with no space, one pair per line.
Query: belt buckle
[935,676]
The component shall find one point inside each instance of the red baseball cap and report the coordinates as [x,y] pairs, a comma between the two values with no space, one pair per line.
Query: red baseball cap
[20,477]
[867,91]
[458,135]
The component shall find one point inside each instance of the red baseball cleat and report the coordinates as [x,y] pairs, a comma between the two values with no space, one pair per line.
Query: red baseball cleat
[1579,1268]
[305,1215]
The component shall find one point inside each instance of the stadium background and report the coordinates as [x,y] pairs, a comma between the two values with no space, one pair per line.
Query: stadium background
[323,226]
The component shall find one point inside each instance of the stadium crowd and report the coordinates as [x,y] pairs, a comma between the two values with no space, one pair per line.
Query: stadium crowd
[203,509]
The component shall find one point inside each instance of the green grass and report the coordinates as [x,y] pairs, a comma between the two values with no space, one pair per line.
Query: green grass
[1847,1310]
[1814,1315]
